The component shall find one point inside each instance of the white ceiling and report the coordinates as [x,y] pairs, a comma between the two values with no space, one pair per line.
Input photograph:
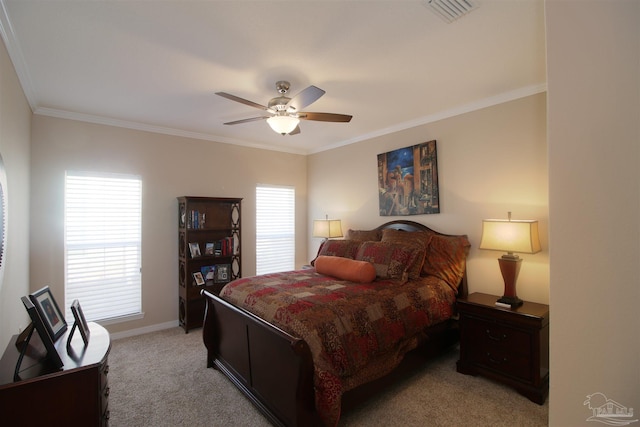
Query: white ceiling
[155,65]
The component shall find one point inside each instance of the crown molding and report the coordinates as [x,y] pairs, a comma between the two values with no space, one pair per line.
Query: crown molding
[15,54]
[445,114]
[456,111]
[107,121]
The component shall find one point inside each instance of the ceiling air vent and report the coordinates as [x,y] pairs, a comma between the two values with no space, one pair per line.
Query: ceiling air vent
[450,10]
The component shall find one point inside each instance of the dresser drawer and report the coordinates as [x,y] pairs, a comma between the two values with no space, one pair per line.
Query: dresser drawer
[104,394]
[490,336]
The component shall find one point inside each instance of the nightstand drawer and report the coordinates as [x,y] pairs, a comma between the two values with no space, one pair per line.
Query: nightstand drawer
[516,365]
[490,336]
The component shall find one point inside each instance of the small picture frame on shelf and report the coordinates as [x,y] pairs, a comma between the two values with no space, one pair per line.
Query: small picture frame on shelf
[194,248]
[208,248]
[208,272]
[222,273]
[197,276]
[80,321]
[49,312]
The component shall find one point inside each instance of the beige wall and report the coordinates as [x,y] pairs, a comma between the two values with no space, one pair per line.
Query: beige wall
[15,122]
[593,57]
[490,161]
[169,166]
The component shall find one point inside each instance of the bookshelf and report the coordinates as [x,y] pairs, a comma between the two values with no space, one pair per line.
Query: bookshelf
[209,253]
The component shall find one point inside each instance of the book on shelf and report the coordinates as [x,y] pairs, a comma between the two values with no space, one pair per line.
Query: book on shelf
[225,247]
[196,220]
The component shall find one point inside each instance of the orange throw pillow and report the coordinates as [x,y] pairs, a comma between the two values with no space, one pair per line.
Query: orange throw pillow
[346,269]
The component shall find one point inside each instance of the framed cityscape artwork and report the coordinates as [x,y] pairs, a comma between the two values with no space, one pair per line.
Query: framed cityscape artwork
[408,181]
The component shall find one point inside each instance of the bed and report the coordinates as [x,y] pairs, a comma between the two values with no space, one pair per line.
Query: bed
[295,343]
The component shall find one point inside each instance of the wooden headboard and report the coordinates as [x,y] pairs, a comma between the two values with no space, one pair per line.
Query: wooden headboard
[410,226]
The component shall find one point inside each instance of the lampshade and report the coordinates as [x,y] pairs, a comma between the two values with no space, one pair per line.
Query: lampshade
[283,124]
[327,228]
[510,236]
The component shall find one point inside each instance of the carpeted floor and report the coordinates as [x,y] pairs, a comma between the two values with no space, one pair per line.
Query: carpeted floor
[161,379]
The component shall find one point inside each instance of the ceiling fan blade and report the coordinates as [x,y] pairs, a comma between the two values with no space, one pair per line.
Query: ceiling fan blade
[241,100]
[295,131]
[307,97]
[252,119]
[325,117]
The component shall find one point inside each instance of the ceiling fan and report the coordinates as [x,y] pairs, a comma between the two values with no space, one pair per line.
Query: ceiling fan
[284,112]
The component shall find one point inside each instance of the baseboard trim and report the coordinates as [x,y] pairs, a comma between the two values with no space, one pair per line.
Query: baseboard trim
[144,330]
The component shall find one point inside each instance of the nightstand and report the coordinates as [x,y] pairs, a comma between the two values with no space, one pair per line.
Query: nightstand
[507,345]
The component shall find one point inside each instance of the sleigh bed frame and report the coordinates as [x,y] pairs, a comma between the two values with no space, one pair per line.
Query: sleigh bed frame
[275,369]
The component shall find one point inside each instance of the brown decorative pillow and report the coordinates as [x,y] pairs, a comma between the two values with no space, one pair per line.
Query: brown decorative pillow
[391,261]
[346,269]
[339,248]
[364,235]
[446,258]
[420,239]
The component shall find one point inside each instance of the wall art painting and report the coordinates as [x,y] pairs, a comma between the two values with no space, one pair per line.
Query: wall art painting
[408,181]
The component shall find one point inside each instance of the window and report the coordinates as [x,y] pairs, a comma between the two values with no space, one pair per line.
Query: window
[275,229]
[102,237]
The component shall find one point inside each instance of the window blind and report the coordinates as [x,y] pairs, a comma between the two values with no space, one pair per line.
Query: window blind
[103,245]
[275,229]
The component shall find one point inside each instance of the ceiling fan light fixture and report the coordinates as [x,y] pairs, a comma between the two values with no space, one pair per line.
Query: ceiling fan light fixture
[283,124]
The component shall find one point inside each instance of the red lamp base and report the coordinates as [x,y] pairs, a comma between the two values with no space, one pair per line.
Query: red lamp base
[510,268]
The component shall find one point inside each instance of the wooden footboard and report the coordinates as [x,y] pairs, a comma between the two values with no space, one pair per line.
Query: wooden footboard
[272,368]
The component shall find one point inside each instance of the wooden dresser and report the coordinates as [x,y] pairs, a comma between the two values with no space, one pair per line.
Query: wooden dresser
[78,394]
[507,345]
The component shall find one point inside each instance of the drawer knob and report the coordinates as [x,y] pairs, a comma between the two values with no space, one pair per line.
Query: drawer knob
[496,361]
[496,338]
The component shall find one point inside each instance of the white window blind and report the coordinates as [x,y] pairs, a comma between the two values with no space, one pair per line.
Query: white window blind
[275,229]
[103,245]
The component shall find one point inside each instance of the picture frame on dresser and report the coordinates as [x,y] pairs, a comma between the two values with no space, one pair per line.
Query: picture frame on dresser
[49,312]
[38,325]
[80,322]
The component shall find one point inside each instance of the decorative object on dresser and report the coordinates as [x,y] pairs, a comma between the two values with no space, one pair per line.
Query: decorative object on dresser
[507,345]
[49,312]
[79,322]
[510,236]
[214,224]
[76,394]
[327,228]
[36,325]
[323,333]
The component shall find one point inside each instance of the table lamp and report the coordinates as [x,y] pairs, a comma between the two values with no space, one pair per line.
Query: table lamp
[510,236]
[327,228]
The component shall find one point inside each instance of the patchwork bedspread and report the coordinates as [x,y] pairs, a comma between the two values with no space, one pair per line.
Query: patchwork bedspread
[356,332]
